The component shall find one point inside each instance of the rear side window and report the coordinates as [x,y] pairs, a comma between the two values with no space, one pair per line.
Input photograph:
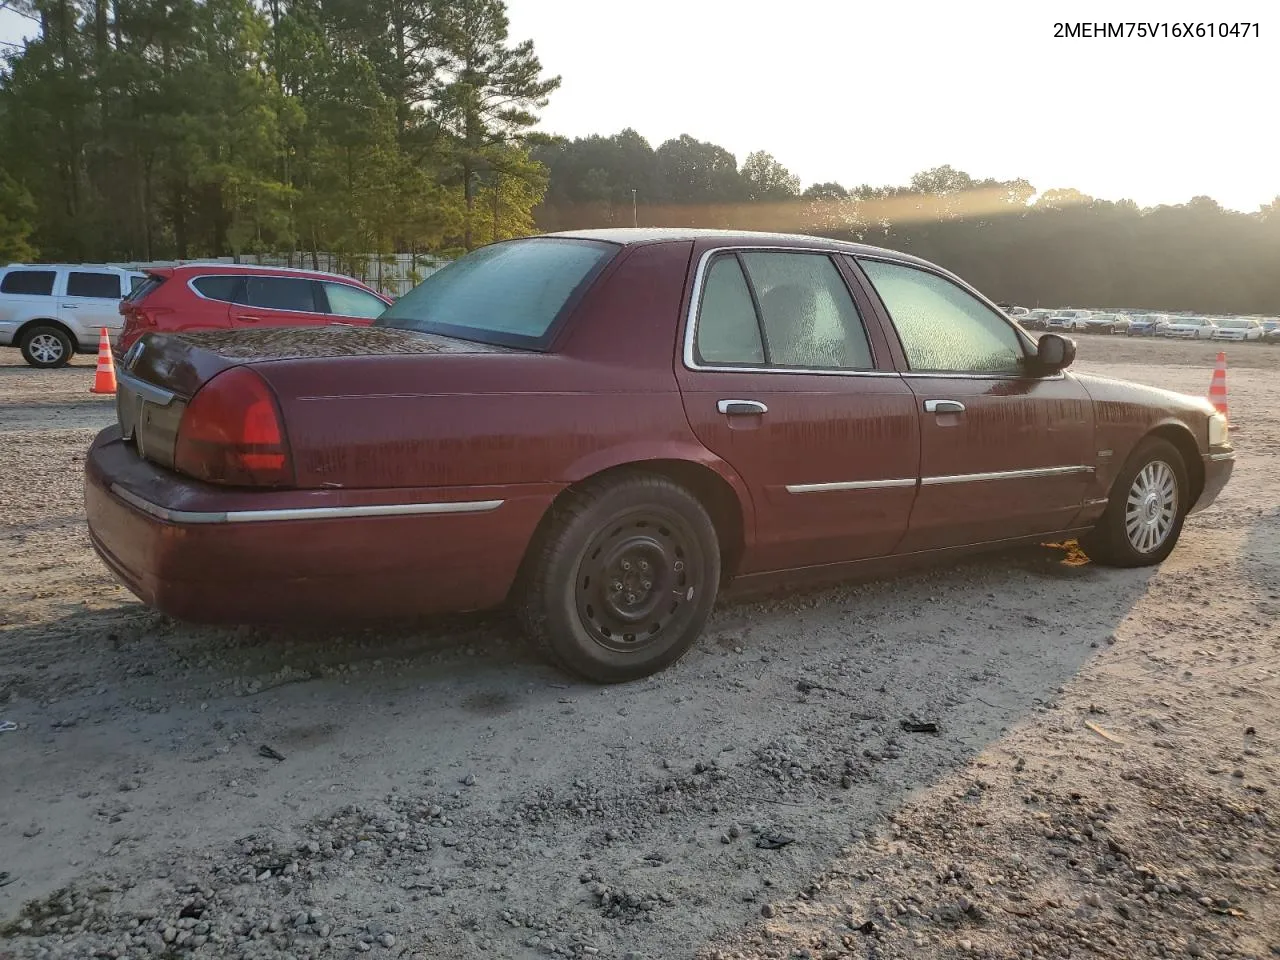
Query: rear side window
[507,293]
[348,301]
[32,283]
[809,316]
[728,329]
[280,293]
[216,288]
[98,286]
[801,314]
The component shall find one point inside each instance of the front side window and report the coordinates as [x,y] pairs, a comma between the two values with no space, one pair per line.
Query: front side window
[348,301]
[98,286]
[509,293]
[944,328]
[280,293]
[32,283]
[779,309]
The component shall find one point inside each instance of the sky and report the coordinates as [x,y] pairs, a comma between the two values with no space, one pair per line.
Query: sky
[862,92]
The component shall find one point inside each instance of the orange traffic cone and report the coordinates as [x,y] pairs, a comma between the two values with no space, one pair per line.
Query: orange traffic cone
[1218,385]
[104,378]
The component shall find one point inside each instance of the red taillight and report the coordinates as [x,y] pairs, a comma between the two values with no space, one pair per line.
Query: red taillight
[232,433]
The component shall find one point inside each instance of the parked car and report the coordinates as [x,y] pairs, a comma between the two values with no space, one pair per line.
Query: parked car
[1238,328]
[1190,328]
[1035,319]
[1068,320]
[515,429]
[1107,323]
[220,296]
[51,311]
[1147,325]
[1270,331]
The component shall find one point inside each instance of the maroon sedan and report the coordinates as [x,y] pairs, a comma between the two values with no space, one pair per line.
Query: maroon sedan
[605,427]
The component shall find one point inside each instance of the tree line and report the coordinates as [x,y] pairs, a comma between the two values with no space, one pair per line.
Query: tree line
[161,129]
[154,129]
[1054,247]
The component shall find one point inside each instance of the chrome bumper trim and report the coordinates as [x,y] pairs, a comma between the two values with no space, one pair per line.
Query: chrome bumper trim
[302,513]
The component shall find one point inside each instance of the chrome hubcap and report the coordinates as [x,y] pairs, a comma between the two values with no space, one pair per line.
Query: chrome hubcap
[46,348]
[1152,507]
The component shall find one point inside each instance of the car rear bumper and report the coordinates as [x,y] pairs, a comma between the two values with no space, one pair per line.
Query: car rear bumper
[1217,471]
[211,555]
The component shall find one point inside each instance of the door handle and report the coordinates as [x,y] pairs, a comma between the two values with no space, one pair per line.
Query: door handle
[739,408]
[69,306]
[247,318]
[943,406]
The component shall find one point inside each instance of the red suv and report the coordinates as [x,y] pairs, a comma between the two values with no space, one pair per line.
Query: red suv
[222,296]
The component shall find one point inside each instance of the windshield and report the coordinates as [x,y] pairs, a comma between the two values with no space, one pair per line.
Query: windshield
[1235,324]
[508,293]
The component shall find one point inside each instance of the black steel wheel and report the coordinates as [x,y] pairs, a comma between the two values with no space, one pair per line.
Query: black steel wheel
[622,580]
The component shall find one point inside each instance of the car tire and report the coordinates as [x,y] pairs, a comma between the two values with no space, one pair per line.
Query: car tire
[1148,504]
[622,578]
[46,346]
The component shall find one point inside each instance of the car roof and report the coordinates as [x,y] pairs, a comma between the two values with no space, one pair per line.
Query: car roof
[252,268]
[629,236]
[70,266]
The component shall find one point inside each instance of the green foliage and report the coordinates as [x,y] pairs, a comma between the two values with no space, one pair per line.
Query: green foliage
[139,129]
[766,179]
[153,129]
[17,210]
[485,94]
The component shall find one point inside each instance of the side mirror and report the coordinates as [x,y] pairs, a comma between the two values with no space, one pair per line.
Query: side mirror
[1054,353]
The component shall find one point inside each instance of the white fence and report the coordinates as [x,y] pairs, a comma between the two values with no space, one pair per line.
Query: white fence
[394,274]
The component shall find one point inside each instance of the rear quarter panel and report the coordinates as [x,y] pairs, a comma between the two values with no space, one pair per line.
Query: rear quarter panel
[604,395]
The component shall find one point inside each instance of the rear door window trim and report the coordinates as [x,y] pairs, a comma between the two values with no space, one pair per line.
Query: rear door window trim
[689,350]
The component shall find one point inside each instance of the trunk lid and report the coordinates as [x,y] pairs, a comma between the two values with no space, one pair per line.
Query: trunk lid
[161,372]
[182,362]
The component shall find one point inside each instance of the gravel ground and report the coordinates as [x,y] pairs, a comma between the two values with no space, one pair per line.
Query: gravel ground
[1103,782]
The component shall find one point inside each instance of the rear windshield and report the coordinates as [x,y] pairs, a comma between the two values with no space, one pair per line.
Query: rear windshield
[144,287]
[510,293]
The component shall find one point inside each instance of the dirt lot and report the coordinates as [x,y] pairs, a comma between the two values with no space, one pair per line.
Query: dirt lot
[1105,781]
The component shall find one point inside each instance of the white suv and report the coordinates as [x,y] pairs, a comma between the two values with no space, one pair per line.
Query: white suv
[51,311]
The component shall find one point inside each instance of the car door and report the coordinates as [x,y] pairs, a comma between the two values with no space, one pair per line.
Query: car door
[1003,453]
[90,300]
[268,301]
[782,378]
[26,293]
